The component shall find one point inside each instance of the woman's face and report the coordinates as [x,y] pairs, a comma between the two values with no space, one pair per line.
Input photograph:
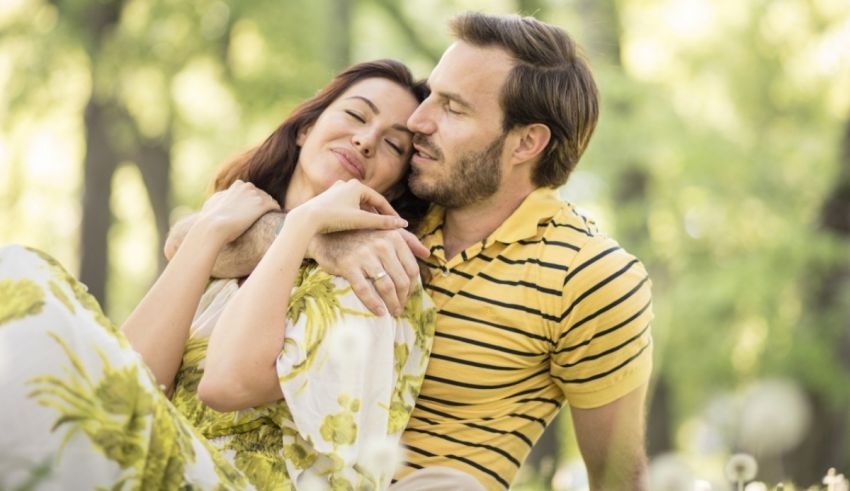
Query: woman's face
[362,135]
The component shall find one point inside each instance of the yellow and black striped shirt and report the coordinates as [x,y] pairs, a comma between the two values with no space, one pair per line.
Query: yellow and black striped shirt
[543,311]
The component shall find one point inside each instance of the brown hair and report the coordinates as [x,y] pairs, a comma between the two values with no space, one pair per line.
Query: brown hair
[270,165]
[551,84]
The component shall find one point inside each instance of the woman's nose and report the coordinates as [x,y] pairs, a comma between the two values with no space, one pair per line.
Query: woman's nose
[364,142]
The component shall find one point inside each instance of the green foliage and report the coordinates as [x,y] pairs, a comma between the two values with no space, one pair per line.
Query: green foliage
[718,144]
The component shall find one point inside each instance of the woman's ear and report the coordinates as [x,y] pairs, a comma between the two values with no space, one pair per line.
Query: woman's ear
[302,134]
[532,140]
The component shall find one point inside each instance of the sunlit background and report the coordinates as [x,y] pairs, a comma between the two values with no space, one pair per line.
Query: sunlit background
[722,159]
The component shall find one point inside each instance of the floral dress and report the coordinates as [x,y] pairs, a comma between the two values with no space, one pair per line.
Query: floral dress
[80,410]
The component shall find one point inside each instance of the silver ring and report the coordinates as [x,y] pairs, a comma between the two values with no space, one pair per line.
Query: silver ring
[382,274]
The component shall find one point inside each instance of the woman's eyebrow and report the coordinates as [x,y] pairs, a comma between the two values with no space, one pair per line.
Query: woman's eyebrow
[368,102]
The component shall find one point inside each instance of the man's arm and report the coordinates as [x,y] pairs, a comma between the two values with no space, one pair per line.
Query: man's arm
[354,255]
[611,440]
[238,258]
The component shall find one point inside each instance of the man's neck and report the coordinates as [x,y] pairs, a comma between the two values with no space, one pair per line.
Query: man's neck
[475,222]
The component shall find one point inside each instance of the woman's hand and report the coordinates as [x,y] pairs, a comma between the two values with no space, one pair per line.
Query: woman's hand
[229,213]
[348,205]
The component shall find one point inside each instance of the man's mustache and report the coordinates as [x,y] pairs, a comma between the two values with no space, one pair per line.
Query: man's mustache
[427,146]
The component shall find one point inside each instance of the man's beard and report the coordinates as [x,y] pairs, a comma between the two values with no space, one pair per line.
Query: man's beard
[472,178]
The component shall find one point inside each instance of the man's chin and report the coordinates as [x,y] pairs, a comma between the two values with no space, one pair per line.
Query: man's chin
[424,188]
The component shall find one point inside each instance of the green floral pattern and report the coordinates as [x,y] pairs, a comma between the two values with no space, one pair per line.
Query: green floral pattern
[100,404]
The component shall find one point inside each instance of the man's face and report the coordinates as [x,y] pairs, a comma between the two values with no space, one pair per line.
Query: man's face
[458,129]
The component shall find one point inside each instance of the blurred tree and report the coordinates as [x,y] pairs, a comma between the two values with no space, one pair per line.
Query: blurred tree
[340,24]
[418,41]
[95,23]
[828,442]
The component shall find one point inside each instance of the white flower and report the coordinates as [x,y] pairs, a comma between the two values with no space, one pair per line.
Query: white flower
[741,468]
[702,485]
[756,486]
[774,417]
[668,472]
[835,481]
[571,476]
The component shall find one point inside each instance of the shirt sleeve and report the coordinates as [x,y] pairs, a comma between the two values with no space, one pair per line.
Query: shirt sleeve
[603,348]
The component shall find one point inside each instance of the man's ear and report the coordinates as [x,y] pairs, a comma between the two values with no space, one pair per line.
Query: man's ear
[302,134]
[531,141]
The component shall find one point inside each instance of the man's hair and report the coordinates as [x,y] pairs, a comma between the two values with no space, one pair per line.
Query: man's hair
[551,84]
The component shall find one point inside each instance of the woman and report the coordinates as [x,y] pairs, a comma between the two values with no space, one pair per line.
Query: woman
[263,395]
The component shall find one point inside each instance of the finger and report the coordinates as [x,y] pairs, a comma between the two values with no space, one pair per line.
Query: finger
[371,198]
[418,249]
[364,219]
[396,275]
[365,291]
[386,289]
[269,203]
[406,257]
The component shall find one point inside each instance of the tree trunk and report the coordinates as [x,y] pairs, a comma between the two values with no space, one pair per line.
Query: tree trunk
[154,162]
[408,31]
[659,434]
[826,443]
[101,156]
[340,33]
[100,163]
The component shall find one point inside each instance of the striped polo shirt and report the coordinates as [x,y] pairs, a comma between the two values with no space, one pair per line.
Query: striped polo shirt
[545,311]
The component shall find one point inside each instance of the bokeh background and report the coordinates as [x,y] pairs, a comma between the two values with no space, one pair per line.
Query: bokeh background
[722,159]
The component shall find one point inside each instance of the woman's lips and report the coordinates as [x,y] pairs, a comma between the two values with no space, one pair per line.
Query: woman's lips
[350,162]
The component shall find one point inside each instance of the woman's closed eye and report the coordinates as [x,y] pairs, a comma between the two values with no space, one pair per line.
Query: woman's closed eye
[356,115]
[397,148]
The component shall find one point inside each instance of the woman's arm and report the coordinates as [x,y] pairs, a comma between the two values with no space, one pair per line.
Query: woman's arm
[240,369]
[159,326]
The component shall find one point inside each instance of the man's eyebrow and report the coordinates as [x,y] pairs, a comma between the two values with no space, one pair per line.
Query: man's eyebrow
[453,96]
[368,102]
[403,128]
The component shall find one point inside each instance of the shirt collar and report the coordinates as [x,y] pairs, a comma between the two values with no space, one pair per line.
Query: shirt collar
[540,205]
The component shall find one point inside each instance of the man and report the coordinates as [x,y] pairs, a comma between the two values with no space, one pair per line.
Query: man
[535,307]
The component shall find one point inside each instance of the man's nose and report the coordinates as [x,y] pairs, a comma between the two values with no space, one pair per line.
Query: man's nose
[421,121]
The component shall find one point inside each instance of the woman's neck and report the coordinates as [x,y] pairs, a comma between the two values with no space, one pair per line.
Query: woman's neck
[299,190]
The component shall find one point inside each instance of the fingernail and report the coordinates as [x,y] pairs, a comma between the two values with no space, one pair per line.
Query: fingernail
[402,222]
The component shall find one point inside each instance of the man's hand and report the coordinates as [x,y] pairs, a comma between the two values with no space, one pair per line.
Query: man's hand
[362,256]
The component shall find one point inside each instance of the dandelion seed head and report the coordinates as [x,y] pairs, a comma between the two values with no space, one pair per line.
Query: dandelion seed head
[570,476]
[741,467]
[774,418]
[668,472]
[702,485]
